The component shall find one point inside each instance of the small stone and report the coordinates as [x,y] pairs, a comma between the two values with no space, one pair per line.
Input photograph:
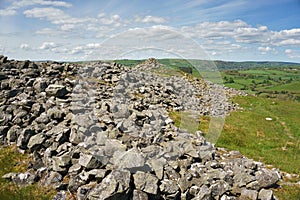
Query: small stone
[265,194]
[61,195]
[53,179]
[248,194]
[158,166]
[219,188]
[9,175]
[168,186]
[267,178]
[116,185]
[133,160]
[89,161]
[145,182]
[56,90]
[139,195]
[36,141]
[61,162]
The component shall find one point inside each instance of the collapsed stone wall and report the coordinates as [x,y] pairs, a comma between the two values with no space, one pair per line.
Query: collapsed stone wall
[102,131]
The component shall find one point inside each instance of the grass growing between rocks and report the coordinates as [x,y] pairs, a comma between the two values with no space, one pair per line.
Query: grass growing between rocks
[12,161]
[275,142]
[288,193]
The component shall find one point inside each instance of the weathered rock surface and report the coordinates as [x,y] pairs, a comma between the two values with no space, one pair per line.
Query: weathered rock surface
[103,131]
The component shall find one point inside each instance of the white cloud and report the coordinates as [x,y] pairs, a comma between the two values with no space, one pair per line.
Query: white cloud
[214,30]
[113,20]
[93,45]
[151,19]
[287,42]
[7,12]
[47,45]
[25,3]
[265,50]
[58,17]
[12,9]
[292,53]
[49,31]
[24,46]
[67,27]
[100,15]
[48,13]
[244,34]
[288,51]
[286,37]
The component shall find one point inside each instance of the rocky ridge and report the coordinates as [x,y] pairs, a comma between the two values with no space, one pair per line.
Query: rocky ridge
[102,131]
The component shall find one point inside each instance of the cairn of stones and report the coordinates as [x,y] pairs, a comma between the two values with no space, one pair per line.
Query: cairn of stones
[103,131]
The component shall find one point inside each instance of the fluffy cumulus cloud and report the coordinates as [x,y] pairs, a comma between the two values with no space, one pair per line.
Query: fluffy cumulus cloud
[48,13]
[292,53]
[151,19]
[113,33]
[47,46]
[265,50]
[16,5]
[286,37]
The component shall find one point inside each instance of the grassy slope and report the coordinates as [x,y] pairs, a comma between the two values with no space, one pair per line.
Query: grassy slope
[12,161]
[275,142]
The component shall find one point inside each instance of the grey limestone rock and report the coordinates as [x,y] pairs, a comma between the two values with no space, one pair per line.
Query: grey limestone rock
[56,90]
[146,182]
[114,186]
[265,194]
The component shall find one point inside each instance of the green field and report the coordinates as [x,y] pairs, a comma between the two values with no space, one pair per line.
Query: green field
[279,83]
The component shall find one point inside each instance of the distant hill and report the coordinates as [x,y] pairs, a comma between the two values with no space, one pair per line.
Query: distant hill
[221,65]
[226,65]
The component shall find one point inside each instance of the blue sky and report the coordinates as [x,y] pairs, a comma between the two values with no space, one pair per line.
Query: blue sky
[235,30]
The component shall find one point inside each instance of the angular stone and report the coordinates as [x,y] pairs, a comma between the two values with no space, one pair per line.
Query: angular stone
[145,182]
[55,113]
[61,162]
[248,194]
[266,178]
[9,175]
[36,141]
[56,90]
[242,179]
[24,137]
[114,186]
[89,161]
[139,195]
[53,179]
[206,152]
[76,136]
[83,191]
[40,85]
[168,186]
[203,193]
[61,195]
[77,181]
[113,145]
[133,160]
[12,133]
[265,194]
[219,188]
[157,165]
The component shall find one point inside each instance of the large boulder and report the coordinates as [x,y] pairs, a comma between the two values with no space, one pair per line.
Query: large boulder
[115,186]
